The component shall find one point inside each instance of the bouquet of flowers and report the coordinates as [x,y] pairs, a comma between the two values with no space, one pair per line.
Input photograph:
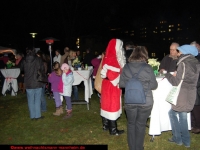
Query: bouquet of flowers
[76,63]
[154,64]
[10,64]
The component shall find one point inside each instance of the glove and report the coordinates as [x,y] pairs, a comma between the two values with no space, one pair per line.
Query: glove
[103,73]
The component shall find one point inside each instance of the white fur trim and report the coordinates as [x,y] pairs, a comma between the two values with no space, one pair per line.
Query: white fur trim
[120,53]
[112,115]
[115,81]
[103,73]
[107,67]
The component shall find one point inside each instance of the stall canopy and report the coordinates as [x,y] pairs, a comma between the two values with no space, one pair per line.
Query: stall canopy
[5,50]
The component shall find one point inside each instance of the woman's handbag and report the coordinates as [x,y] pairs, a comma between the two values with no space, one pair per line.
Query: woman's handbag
[174,92]
[98,79]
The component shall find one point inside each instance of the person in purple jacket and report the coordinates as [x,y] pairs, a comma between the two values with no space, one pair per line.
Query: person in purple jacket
[54,78]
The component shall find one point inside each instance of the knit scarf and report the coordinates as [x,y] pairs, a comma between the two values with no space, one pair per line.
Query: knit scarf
[60,85]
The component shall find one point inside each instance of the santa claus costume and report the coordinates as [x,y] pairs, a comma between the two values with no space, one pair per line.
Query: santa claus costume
[111,107]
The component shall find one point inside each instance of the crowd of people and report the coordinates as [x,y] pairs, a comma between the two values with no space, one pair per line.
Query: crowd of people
[117,63]
[116,73]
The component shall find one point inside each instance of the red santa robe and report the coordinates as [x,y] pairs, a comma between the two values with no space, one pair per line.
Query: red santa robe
[112,64]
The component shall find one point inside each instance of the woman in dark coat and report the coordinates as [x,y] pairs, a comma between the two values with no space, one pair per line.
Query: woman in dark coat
[137,114]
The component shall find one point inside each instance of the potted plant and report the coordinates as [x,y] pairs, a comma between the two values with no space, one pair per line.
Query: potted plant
[154,64]
[9,64]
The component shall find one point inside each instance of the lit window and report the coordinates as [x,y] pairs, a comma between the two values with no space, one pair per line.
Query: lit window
[179,25]
[170,30]
[132,34]
[163,39]
[169,25]
[169,39]
[153,54]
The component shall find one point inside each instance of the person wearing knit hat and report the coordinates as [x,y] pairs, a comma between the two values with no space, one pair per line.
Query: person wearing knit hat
[188,66]
[65,88]
[65,67]
[188,49]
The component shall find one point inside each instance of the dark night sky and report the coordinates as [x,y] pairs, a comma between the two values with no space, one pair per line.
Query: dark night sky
[71,18]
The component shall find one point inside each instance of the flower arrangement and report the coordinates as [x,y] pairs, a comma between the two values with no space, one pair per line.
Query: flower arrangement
[154,64]
[10,64]
[76,63]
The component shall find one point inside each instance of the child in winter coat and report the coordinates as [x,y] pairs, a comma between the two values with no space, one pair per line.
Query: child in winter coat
[65,88]
[54,78]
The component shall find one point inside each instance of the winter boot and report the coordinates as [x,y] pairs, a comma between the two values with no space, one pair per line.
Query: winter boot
[57,113]
[61,110]
[68,114]
[105,124]
[113,128]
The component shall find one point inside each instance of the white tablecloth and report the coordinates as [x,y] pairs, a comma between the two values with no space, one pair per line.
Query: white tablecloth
[85,76]
[159,119]
[10,77]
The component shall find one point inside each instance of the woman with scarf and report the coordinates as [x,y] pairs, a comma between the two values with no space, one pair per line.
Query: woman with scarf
[65,88]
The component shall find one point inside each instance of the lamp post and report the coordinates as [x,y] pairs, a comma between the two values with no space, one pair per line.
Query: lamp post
[50,41]
[33,36]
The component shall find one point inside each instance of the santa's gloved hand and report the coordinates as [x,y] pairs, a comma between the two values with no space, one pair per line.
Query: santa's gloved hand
[103,73]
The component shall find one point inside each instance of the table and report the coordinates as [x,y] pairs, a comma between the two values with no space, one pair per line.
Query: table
[159,119]
[85,76]
[10,80]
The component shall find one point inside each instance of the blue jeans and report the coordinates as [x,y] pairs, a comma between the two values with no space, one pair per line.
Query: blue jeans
[137,116]
[43,100]
[179,127]
[68,103]
[34,102]
[75,91]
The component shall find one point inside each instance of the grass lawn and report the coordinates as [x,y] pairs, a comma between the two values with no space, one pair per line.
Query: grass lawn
[84,127]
